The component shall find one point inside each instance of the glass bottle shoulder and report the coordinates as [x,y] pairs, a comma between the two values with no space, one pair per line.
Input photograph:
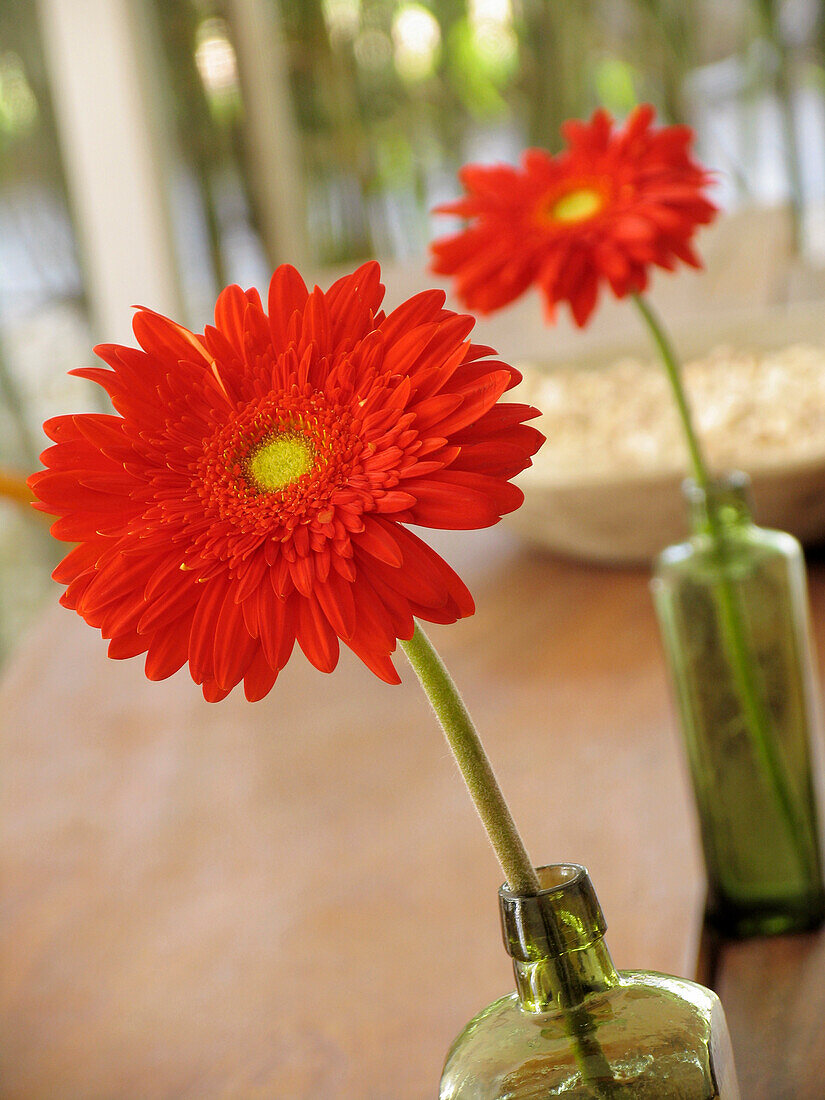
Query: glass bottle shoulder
[748,547]
[653,1028]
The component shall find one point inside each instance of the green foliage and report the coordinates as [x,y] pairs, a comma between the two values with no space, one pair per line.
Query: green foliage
[480,68]
[616,82]
[385,93]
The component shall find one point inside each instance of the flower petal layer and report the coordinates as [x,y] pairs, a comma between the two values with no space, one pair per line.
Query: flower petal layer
[253,488]
[611,205]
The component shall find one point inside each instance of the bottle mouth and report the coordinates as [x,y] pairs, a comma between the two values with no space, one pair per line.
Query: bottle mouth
[552,878]
[735,483]
[725,501]
[564,915]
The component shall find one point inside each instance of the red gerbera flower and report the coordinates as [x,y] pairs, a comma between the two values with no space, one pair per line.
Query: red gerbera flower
[255,486]
[610,205]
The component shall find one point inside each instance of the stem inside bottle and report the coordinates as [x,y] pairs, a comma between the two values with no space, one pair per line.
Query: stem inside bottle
[556,941]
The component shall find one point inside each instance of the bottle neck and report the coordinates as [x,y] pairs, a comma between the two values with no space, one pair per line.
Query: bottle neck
[556,940]
[546,984]
[721,507]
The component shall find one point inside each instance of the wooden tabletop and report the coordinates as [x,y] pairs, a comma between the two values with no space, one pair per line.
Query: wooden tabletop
[773,990]
[294,898]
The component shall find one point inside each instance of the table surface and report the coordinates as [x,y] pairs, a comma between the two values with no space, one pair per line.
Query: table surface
[295,899]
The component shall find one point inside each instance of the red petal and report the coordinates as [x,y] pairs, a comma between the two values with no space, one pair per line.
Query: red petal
[163,338]
[462,501]
[213,693]
[377,539]
[418,310]
[168,649]
[315,636]
[202,633]
[234,648]
[78,561]
[376,661]
[383,615]
[121,577]
[287,293]
[276,620]
[229,317]
[126,646]
[260,678]
[336,600]
[352,302]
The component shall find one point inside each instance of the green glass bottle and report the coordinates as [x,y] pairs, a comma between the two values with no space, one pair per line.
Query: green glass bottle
[732,607]
[576,1027]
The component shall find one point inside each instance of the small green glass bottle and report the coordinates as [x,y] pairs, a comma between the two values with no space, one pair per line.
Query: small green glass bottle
[732,608]
[578,1028]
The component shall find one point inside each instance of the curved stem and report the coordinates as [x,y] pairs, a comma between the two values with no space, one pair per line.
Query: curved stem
[593,1065]
[757,721]
[731,622]
[519,872]
[472,760]
[674,374]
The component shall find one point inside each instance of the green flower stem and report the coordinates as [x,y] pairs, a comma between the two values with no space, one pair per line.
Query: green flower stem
[757,722]
[674,375]
[472,760]
[519,872]
[731,619]
[593,1065]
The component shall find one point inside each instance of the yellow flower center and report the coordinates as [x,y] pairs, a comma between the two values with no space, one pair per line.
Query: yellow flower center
[280,460]
[577,206]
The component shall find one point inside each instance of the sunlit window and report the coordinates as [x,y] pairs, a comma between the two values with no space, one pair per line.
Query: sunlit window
[389,97]
[416,36]
[342,18]
[216,61]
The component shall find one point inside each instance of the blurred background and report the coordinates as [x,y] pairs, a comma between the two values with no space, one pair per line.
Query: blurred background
[152,151]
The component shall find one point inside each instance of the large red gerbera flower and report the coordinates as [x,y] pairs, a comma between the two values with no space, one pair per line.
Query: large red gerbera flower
[610,205]
[255,486]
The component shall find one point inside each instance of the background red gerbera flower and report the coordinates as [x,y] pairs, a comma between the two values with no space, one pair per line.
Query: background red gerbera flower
[254,488]
[608,207]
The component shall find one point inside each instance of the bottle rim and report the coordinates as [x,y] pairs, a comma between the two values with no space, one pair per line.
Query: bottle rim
[554,878]
[564,915]
[732,481]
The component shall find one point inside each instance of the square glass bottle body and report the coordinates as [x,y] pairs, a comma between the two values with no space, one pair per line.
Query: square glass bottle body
[732,608]
[576,1027]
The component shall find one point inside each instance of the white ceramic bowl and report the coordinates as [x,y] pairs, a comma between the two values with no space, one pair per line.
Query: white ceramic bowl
[626,517]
